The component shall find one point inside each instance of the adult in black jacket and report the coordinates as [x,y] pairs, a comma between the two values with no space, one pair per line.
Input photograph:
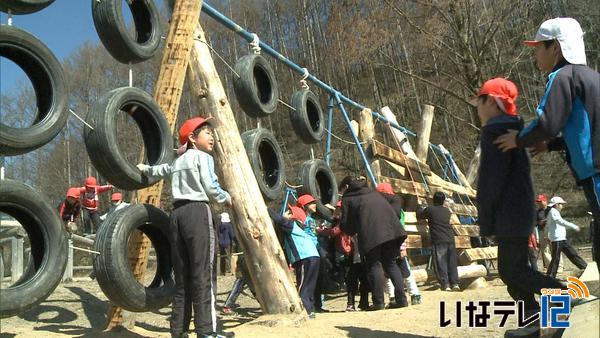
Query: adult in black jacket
[442,239]
[367,213]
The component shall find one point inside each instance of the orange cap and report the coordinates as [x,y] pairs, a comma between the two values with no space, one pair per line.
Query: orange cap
[385,188]
[90,181]
[504,91]
[73,192]
[190,125]
[305,199]
[116,196]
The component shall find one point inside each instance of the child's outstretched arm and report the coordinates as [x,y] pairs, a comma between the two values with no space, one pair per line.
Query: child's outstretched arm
[160,170]
[210,181]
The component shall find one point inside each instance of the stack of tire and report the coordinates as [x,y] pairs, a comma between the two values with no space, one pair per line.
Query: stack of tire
[39,219]
[257,93]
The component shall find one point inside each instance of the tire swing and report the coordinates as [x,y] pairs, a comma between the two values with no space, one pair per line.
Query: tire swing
[307,118]
[266,159]
[24,6]
[318,179]
[114,33]
[48,80]
[256,87]
[49,247]
[113,269]
[101,143]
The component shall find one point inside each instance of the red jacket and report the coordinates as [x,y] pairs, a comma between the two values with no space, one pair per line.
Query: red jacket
[69,212]
[90,199]
[343,242]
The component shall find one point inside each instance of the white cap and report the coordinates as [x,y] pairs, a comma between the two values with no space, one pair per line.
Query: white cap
[225,218]
[568,33]
[556,200]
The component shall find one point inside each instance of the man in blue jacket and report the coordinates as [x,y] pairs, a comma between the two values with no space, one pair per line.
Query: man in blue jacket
[569,111]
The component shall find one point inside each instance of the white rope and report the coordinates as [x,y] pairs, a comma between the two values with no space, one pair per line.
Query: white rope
[341,139]
[84,250]
[130,75]
[80,119]
[219,56]
[10,17]
[255,44]
[286,104]
[303,82]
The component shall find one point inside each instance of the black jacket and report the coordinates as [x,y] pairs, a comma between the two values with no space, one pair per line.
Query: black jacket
[505,201]
[438,219]
[367,213]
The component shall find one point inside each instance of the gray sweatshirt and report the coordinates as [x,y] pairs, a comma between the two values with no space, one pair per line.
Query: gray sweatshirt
[556,226]
[192,177]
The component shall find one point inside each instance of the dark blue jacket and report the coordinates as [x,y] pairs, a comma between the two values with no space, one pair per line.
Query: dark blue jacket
[226,234]
[571,106]
[505,202]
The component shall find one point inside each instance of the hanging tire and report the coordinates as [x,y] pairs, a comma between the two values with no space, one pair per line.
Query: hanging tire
[267,162]
[102,146]
[24,6]
[115,35]
[49,249]
[112,267]
[256,87]
[318,179]
[48,80]
[307,118]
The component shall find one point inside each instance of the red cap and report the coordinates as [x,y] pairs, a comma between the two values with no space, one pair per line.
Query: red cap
[297,213]
[385,188]
[190,125]
[73,192]
[116,196]
[338,204]
[541,198]
[504,91]
[305,199]
[90,181]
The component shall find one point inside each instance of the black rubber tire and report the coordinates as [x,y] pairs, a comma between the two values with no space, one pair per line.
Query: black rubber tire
[267,162]
[48,80]
[49,247]
[102,146]
[112,267]
[24,6]
[307,120]
[113,32]
[256,89]
[318,179]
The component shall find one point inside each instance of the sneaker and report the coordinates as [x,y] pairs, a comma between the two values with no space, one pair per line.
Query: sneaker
[398,305]
[226,310]
[350,308]
[363,307]
[221,334]
[446,288]
[415,299]
[376,307]
[455,287]
[312,315]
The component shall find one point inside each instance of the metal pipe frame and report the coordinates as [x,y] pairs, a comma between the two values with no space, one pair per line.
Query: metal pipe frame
[329,123]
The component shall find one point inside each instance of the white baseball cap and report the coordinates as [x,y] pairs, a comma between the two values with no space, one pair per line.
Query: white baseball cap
[569,34]
[556,200]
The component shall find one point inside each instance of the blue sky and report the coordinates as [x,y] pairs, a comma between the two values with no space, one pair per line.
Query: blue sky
[63,26]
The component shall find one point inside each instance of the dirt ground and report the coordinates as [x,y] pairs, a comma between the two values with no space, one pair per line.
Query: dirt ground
[78,309]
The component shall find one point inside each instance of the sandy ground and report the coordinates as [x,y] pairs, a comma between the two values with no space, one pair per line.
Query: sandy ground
[78,309]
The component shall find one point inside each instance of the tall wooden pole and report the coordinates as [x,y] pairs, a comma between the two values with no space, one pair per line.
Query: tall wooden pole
[367,134]
[264,257]
[167,93]
[424,133]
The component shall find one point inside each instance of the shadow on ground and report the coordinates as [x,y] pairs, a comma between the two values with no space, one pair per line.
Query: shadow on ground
[361,332]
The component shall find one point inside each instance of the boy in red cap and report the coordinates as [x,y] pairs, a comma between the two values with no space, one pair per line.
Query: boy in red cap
[69,208]
[116,204]
[540,229]
[505,195]
[89,195]
[193,235]
[569,112]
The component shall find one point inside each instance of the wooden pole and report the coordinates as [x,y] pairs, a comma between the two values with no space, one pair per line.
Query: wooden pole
[367,134]
[473,171]
[275,289]
[464,272]
[167,93]
[424,133]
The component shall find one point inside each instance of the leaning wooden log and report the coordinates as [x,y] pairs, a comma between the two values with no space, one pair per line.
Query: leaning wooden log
[464,272]
[275,289]
[396,156]
[424,132]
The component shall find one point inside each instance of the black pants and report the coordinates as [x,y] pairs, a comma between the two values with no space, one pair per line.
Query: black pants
[522,282]
[591,189]
[91,219]
[384,256]
[193,251]
[444,258]
[307,272]
[356,273]
[532,255]
[225,253]
[559,247]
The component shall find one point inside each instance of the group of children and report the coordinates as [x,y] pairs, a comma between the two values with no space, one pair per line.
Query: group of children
[505,195]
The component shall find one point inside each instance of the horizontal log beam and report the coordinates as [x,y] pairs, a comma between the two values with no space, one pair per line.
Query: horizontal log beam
[466,230]
[436,181]
[461,209]
[424,241]
[405,187]
[396,156]
[464,272]
[476,254]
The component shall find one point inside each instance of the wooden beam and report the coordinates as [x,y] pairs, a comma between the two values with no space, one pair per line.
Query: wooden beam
[435,181]
[399,169]
[424,241]
[473,171]
[464,272]
[396,156]
[167,93]
[405,187]
[475,254]
[424,132]
[367,133]
[265,259]
[462,209]
[466,230]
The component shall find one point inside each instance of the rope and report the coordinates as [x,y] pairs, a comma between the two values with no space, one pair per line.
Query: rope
[303,83]
[219,56]
[341,139]
[286,104]
[255,44]
[293,186]
[80,119]
[10,18]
